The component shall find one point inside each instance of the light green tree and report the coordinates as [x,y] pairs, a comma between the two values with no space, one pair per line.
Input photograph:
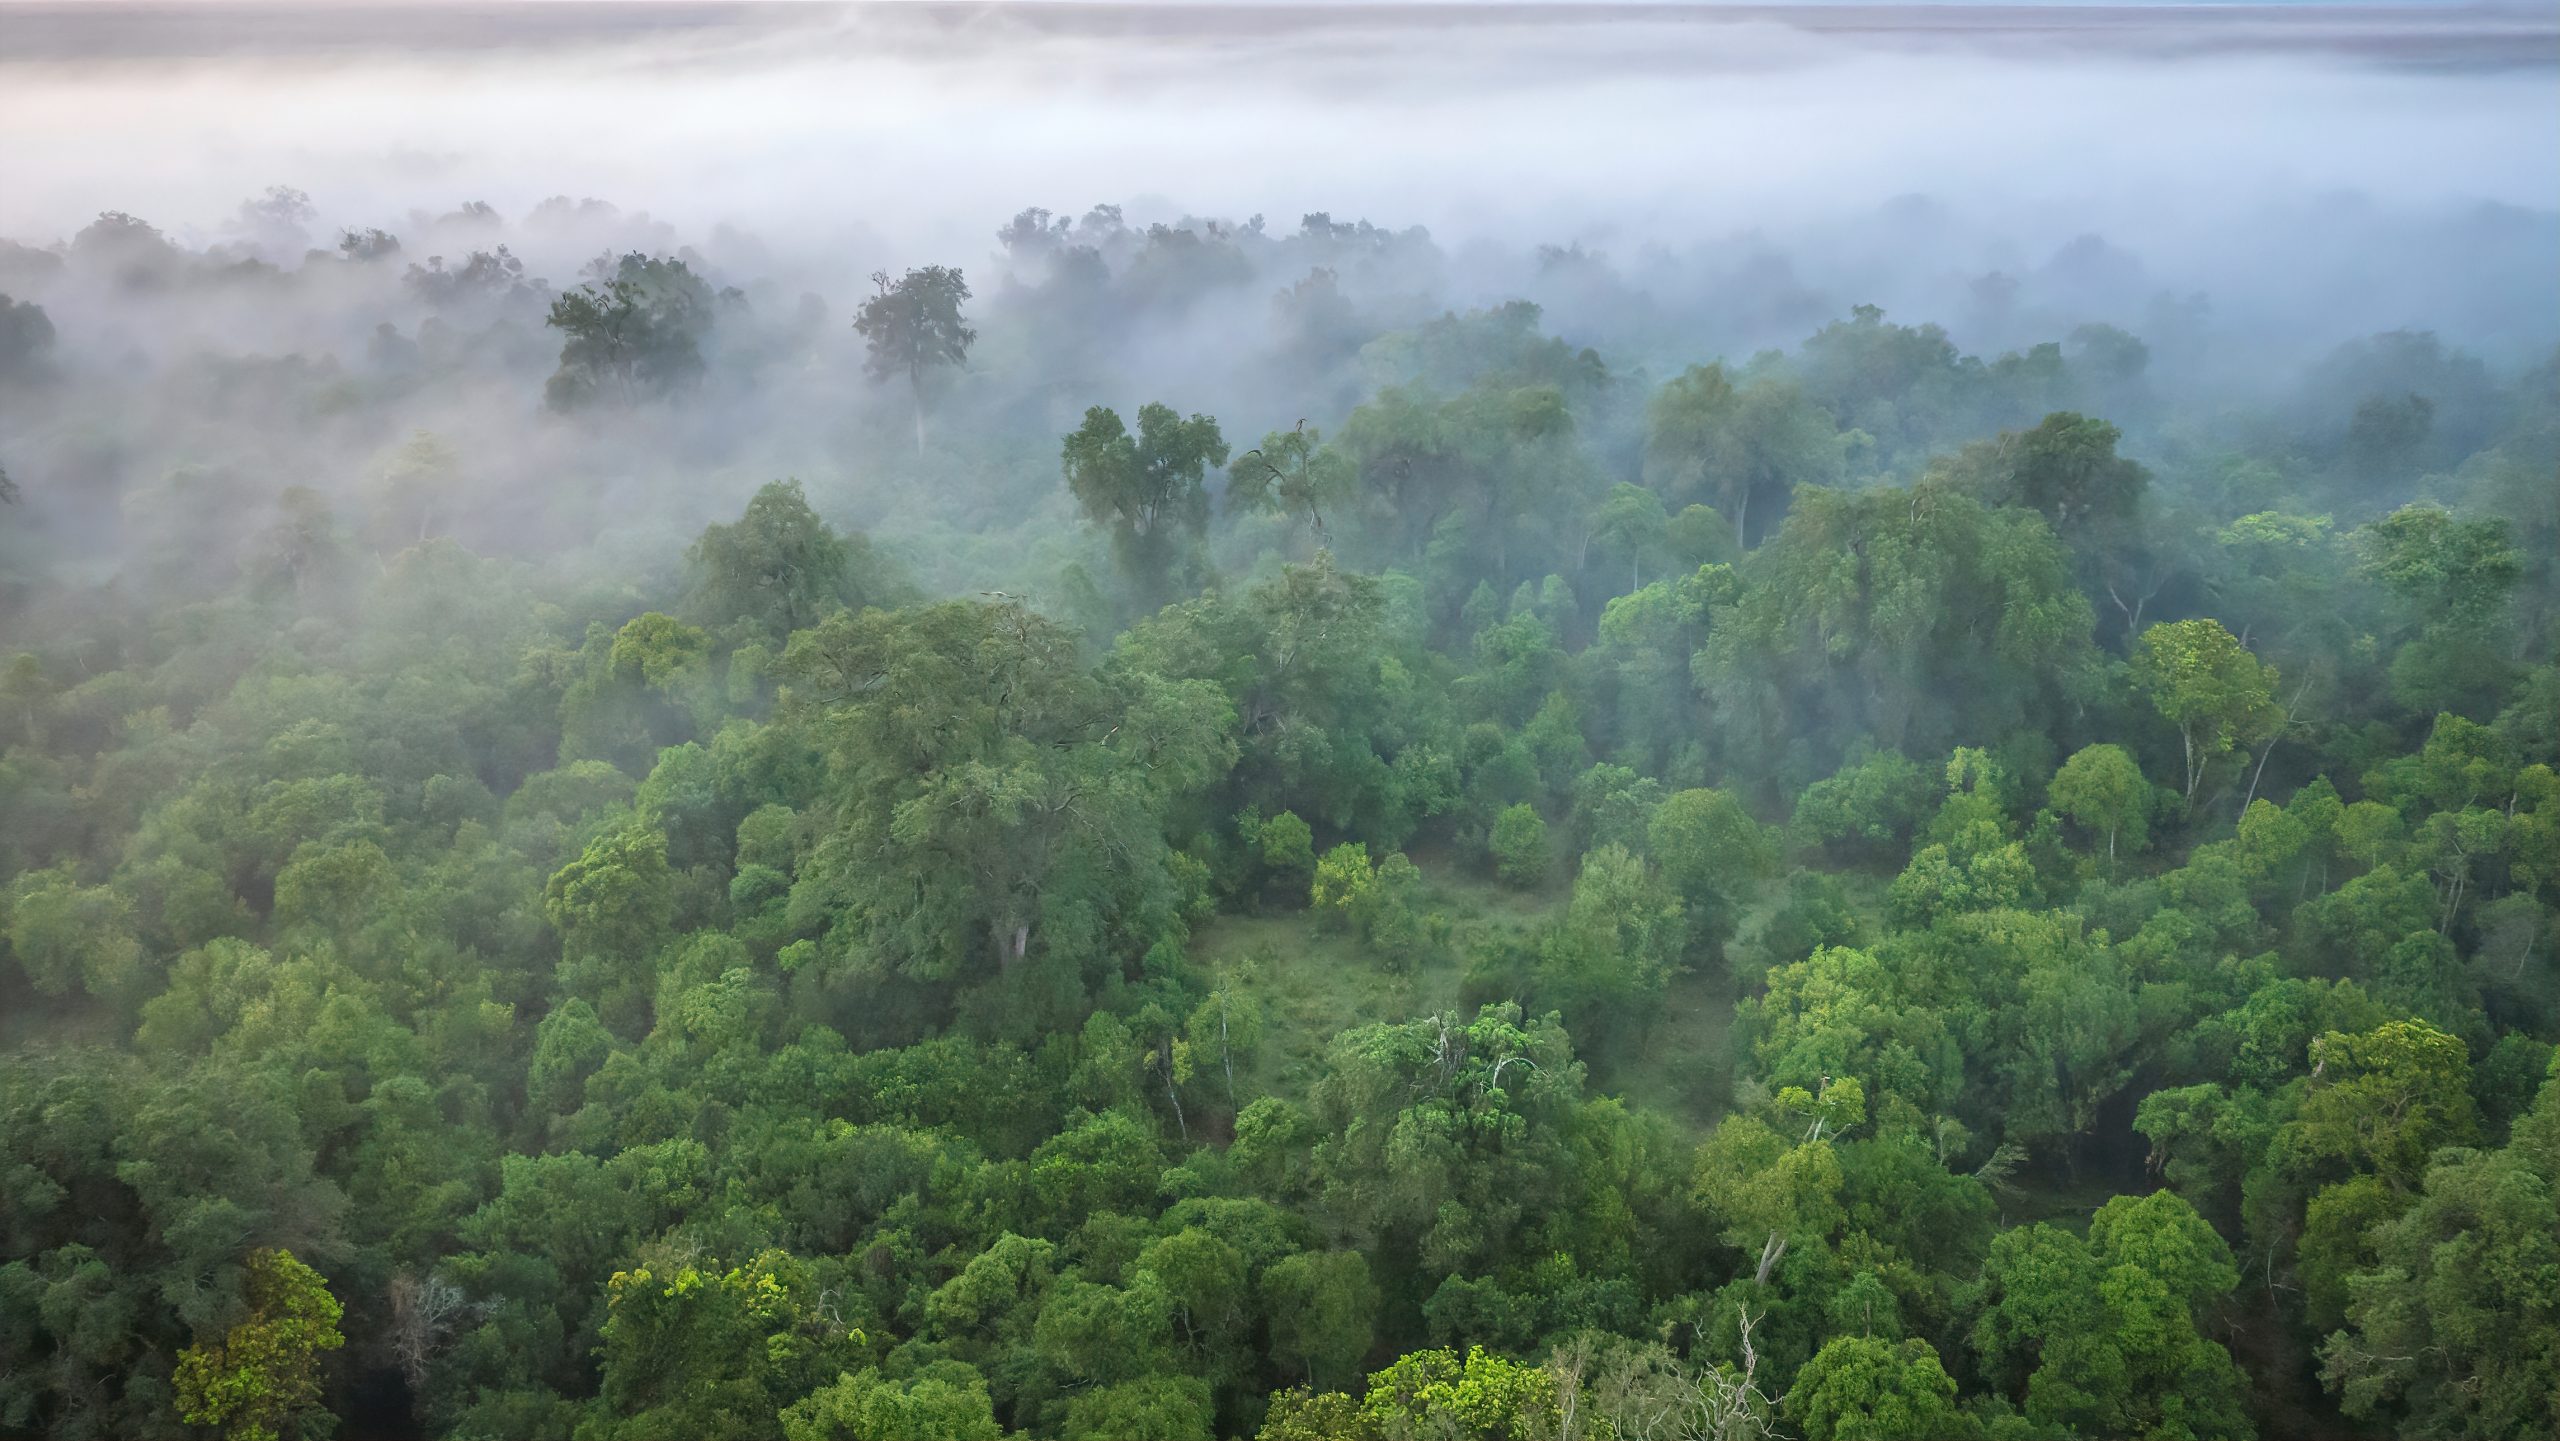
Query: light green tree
[2102,789]
[1519,846]
[2204,682]
[261,1380]
[1866,1388]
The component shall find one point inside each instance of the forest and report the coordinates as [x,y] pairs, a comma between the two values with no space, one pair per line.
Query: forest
[1179,827]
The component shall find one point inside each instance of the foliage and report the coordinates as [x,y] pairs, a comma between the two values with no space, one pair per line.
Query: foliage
[261,1380]
[634,334]
[868,967]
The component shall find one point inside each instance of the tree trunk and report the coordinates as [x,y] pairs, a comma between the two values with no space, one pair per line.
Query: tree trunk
[915,387]
[1769,1254]
[1227,1053]
[1741,513]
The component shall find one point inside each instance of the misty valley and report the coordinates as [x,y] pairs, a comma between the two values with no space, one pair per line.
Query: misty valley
[953,722]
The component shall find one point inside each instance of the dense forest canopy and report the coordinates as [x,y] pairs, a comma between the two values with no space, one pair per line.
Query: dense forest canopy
[1180,826]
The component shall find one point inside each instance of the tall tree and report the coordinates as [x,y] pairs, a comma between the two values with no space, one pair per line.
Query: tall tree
[2101,788]
[988,784]
[2208,685]
[914,324]
[634,334]
[1707,436]
[780,568]
[1147,488]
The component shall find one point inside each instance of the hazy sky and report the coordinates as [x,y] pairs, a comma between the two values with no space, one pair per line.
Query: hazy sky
[831,126]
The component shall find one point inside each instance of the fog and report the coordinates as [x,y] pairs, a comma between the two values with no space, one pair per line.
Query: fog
[822,125]
[2245,189]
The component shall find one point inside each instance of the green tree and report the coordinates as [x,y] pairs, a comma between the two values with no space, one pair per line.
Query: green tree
[1292,470]
[913,325]
[1145,488]
[613,907]
[1521,856]
[1478,1398]
[2444,569]
[2102,789]
[1706,437]
[1607,963]
[2204,682]
[26,346]
[1321,1307]
[633,335]
[261,1380]
[2381,1102]
[1865,1388]
[1713,855]
[704,1351]
[2104,1336]
[2452,1329]
[988,785]
[1631,521]
[1176,1408]
[779,568]
[1903,618]
[2065,469]
[946,1400]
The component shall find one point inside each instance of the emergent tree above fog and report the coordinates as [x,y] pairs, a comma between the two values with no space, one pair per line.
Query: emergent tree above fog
[634,335]
[914,325]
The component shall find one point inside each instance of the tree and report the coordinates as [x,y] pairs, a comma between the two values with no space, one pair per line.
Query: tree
[1176,1408]
[1146,488]
[1631,520]
[1370,899]
[988,784]
[2204,682]
[26,341]
[1321,1305]
[409,484]
[2381,1102]
[913,325]
[425,1312]
[1712,854]
[612,907]
[695,1349]
[2449,571]
[2102,789]
[261,1380]
[2104,1336]
[946,1400]
[1621,938]
[1477,1398]
[780,568]
[1770,1194]
[1291,470]
[1226,1025]
[2453,1328]
[1900,618]
[1519,846]
[2065,469]
[633,335]
[1866,1388]
[1704,435]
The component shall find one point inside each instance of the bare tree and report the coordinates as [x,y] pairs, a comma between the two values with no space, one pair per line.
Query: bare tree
[1645,1393]
[425,1312]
